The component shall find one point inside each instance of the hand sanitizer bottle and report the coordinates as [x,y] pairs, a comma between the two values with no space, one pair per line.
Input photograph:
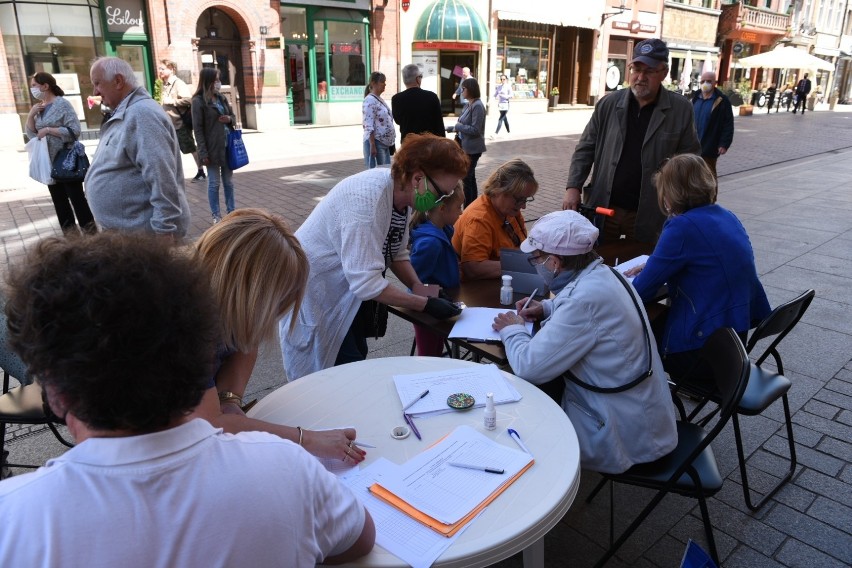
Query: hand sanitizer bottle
[490,412]
[506,291]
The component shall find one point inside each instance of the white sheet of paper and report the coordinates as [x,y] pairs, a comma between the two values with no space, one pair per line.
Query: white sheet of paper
[446,493]
[627,265]
[475,324]
[396,532]
[475,381]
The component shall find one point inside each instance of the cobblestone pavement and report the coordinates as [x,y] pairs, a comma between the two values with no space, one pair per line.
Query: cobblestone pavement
[788,177]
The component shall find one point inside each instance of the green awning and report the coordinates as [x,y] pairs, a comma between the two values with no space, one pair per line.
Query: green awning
[450,20]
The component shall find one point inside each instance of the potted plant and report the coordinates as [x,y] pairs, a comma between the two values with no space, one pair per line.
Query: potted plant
[554,96]
[744,90]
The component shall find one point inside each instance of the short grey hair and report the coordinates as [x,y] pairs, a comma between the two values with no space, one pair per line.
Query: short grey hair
[112,66]
[409,74]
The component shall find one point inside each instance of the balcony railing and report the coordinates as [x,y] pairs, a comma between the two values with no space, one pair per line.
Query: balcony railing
[763,19]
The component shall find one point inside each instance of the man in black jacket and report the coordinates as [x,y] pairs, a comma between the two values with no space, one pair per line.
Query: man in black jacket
[714,120]
[803,87]
[416,110]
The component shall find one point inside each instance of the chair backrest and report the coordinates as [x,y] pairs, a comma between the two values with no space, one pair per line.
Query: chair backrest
[779,323]
[725,355]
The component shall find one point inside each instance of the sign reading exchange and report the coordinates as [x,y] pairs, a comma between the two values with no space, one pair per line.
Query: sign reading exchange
[124,16]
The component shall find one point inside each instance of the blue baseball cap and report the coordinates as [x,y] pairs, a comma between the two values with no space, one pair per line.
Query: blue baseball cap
[651,52]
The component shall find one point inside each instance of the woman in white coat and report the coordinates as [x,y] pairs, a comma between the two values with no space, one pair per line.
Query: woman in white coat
[352,237]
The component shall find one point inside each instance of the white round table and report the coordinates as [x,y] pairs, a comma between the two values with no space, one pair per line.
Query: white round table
[362,395]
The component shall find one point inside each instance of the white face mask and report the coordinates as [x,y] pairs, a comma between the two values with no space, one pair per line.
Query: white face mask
[706,86]
[36,92]
[546,275]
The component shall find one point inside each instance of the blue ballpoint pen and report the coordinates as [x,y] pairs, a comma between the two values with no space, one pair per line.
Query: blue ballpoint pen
[411,423]
[517,438]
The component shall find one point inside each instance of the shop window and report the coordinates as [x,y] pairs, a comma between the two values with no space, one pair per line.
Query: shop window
[76,24]
[616,67]
[341,54]
[524,60]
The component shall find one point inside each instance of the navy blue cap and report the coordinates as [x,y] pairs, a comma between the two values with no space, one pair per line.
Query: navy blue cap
[651,52]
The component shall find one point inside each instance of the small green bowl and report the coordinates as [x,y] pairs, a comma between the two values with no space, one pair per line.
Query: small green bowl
[460,401]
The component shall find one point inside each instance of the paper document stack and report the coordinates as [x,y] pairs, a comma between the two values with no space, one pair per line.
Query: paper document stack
[474,324]
[445,497]
[475,381]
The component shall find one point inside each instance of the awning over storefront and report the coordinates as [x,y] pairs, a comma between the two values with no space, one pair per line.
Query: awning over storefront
[586,14]
[450,20]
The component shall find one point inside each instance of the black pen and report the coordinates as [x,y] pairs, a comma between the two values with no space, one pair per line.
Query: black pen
[418,397]
[410,421]
[486,341]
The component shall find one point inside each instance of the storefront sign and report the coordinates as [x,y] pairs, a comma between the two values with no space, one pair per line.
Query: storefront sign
[346,48]
[749,37]
[455,45]
[634,27]
[273,42]
[124,16]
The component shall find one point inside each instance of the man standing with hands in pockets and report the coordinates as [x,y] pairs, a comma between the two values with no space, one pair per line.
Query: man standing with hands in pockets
[714,120]
[630,133]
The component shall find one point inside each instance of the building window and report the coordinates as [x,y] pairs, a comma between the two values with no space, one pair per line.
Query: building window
[340,54]
[76,24]
[523,55]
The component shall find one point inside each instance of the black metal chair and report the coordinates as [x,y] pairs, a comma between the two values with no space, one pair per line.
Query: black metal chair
[690,469]
[764,387]
[21,404]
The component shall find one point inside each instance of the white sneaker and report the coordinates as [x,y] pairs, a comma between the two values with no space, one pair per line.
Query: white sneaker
[491,136]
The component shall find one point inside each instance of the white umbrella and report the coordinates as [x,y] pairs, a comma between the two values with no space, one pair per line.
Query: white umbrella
[708,64]
[786,57]
[686,74]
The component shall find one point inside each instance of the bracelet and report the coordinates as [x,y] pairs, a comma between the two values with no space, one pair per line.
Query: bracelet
[228,396]
[301,433]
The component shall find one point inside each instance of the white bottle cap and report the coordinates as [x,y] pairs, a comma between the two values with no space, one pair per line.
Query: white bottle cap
[507,280]
[489,401]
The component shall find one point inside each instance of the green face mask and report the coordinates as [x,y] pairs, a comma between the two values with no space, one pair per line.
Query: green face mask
[424,201]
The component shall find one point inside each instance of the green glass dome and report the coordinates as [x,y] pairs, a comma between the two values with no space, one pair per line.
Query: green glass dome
[450,20]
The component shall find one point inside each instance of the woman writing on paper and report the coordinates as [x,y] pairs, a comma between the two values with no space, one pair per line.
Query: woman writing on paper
[595,330]
[212,119]
[705,257]
[54,118]
[258,272]
[356,233]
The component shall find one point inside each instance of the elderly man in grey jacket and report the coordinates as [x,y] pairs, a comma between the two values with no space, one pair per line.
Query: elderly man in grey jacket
[630,133]
[135,182]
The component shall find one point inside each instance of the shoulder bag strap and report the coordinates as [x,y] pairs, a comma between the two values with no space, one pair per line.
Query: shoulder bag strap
[611,390]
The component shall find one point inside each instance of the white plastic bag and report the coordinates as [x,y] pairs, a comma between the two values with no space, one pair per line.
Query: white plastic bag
[40,166]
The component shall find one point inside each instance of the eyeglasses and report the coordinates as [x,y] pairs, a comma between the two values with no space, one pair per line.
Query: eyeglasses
[523,200]
[647,71]
[443,195]
[537,260]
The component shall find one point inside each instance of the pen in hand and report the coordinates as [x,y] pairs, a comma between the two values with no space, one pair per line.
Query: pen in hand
[418,397]
[527,303]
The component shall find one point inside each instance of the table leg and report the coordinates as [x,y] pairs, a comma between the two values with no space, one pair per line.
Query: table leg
[534,554]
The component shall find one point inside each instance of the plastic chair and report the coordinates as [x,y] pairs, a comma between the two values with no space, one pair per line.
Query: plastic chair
[765,387]
[22,404]
[690,469]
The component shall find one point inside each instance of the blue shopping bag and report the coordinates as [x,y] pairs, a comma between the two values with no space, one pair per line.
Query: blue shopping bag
[236,150]
[695,557]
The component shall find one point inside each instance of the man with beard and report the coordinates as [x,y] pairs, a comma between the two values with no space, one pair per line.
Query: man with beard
[630,133]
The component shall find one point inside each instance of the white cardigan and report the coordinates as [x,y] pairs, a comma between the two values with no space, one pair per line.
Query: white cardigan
[343,238]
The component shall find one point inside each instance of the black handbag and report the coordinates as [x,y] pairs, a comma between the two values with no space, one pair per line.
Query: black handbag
[372,318]
[71,163]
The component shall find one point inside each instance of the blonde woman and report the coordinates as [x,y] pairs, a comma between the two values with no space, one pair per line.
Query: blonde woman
[433,257]
[379,132]
[258,273]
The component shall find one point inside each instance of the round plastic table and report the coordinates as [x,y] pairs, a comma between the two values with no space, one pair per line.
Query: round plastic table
[362,395]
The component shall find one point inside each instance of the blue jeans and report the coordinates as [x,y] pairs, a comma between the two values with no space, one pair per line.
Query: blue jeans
[381,158]
[213,188]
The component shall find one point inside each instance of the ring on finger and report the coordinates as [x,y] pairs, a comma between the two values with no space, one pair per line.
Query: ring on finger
[350,444]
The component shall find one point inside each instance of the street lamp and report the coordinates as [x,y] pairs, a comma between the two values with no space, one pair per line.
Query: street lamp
[606,15]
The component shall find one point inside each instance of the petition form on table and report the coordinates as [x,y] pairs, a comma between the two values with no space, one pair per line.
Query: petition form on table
[428,483]
[396,532]
[474,324]
[633,262]
[476,381]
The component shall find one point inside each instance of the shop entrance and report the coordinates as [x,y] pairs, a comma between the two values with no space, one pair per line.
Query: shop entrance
[220,47]
[450,64]
[297,78]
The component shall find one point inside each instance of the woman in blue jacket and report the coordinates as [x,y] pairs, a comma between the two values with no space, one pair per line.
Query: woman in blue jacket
[433,257]
[705,257]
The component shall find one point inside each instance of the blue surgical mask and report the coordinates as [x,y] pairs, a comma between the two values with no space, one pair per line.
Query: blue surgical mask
[546,275]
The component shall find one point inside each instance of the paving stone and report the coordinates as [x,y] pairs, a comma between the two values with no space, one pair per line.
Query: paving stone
[818,423]
[818,460]
[745,557]
[821,409]
[836,448]
[793,496]
[834,398]
[833,513]
[842,387]
[845,417]
[826,486]
[797,554]
[812,532]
